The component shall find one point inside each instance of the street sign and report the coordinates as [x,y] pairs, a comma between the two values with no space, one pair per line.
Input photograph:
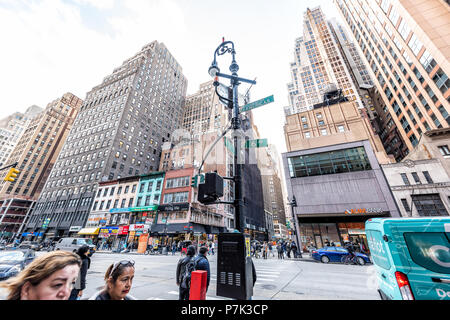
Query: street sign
[258,143]
[229,144]
[258,103]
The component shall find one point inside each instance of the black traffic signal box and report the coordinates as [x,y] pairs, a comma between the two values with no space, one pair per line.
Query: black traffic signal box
[212,189]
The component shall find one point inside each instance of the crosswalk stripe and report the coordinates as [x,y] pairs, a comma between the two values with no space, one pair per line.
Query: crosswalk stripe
[264,279]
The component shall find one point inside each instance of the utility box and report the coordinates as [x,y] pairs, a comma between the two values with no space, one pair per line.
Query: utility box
[234,266]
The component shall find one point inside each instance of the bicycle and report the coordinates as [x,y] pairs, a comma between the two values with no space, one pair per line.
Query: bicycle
[347,259]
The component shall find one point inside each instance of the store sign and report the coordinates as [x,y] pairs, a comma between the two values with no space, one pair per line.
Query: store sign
[174,207]
[120,210]
[106,232]
[363,211]
[139,227]
[75,229]
[46,223]
[123,230]
[148,208]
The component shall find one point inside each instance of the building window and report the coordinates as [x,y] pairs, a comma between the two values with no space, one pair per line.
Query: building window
[307,135]
[427,176]
[406,205]
[323,132]
[444,150]
[405,179]
[429,205]
[341,128]
[416,177]
[340,161]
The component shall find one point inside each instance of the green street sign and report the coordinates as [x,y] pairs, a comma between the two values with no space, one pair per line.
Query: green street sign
[257,104]
[258,143]
[229,144]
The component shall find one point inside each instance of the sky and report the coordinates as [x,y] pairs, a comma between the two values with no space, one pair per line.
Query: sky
[50,47]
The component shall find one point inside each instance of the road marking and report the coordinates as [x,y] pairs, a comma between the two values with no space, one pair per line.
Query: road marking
[268,275]
[264,279]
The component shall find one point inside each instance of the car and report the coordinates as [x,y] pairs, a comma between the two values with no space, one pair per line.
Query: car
[72,244]
[411,257]
[30,245]
[335,254]
[14,261]
[2,246]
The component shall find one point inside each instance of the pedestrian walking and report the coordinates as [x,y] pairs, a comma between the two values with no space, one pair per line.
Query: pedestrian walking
[185,267]
[213,246]
[118,282]
[174,248]
[294,249]
[327,243]
[202,263]
[288,250]
[280,251]
[48,277]
[265,250]
[80,284]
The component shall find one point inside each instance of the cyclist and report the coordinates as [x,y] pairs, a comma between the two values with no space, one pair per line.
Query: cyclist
[351,250]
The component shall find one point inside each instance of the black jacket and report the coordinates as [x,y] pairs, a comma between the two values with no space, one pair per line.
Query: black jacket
[80,284]
[180,268]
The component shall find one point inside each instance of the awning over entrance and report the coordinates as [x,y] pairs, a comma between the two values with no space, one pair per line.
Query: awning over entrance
[89,231]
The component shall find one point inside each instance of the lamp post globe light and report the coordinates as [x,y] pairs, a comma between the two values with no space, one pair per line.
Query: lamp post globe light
[214,71]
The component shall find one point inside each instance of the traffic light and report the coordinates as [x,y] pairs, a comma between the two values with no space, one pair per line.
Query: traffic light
[211,190]
[194,183]
[12,174]
[294,202]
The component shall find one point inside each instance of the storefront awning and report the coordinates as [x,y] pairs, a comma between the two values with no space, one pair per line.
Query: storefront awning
[88,231]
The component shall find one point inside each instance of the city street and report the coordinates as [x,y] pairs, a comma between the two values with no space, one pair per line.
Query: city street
[277,279]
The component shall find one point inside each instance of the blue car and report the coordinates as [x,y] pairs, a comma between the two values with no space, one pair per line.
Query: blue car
[335,254]
[14,261]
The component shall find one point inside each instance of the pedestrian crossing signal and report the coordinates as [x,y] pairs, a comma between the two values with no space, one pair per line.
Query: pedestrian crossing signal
[12,175]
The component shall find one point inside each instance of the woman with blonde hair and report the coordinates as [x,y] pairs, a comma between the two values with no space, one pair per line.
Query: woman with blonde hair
[49,277]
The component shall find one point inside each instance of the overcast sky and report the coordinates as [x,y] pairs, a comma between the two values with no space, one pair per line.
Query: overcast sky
[50,47]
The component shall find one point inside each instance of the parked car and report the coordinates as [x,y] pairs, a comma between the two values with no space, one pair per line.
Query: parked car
[411,257]
[2,246]
[30,245]
[72,244]
[14,261]
[335,254]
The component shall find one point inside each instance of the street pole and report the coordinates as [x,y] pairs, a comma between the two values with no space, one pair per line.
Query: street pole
[214,71]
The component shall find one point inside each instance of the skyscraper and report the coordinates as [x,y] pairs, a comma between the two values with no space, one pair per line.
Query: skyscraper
[118,133]
[406,45]
[318,63]
[12,128]
[35,154]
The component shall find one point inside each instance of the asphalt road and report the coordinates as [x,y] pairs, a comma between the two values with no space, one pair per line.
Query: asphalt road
[277,279]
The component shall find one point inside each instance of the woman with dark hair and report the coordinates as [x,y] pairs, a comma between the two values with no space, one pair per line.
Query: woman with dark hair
[80,284]
[49,277]
[119,279]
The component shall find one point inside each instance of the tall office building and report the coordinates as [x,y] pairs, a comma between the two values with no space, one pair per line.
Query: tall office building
[12,128]
[318,63]
[35,154]
[371,98]
[406,45]
[118,133]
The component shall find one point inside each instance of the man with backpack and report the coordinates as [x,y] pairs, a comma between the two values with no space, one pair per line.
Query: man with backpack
[185,267]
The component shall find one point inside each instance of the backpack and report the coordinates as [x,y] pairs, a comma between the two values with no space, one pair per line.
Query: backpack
[186,272]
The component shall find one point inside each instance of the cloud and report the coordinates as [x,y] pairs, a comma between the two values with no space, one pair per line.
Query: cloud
[100,4]
[50,49]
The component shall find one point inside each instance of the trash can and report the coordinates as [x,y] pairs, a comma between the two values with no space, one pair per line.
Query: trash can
[164,250]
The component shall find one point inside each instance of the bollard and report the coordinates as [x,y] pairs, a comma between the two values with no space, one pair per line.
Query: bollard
[198,285]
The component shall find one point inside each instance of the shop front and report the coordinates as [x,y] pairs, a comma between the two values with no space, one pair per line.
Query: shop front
[337,230]
[90,233]
[107,237]
[134,234]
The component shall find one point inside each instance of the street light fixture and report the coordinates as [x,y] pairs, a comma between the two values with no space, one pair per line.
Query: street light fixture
[214,71]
